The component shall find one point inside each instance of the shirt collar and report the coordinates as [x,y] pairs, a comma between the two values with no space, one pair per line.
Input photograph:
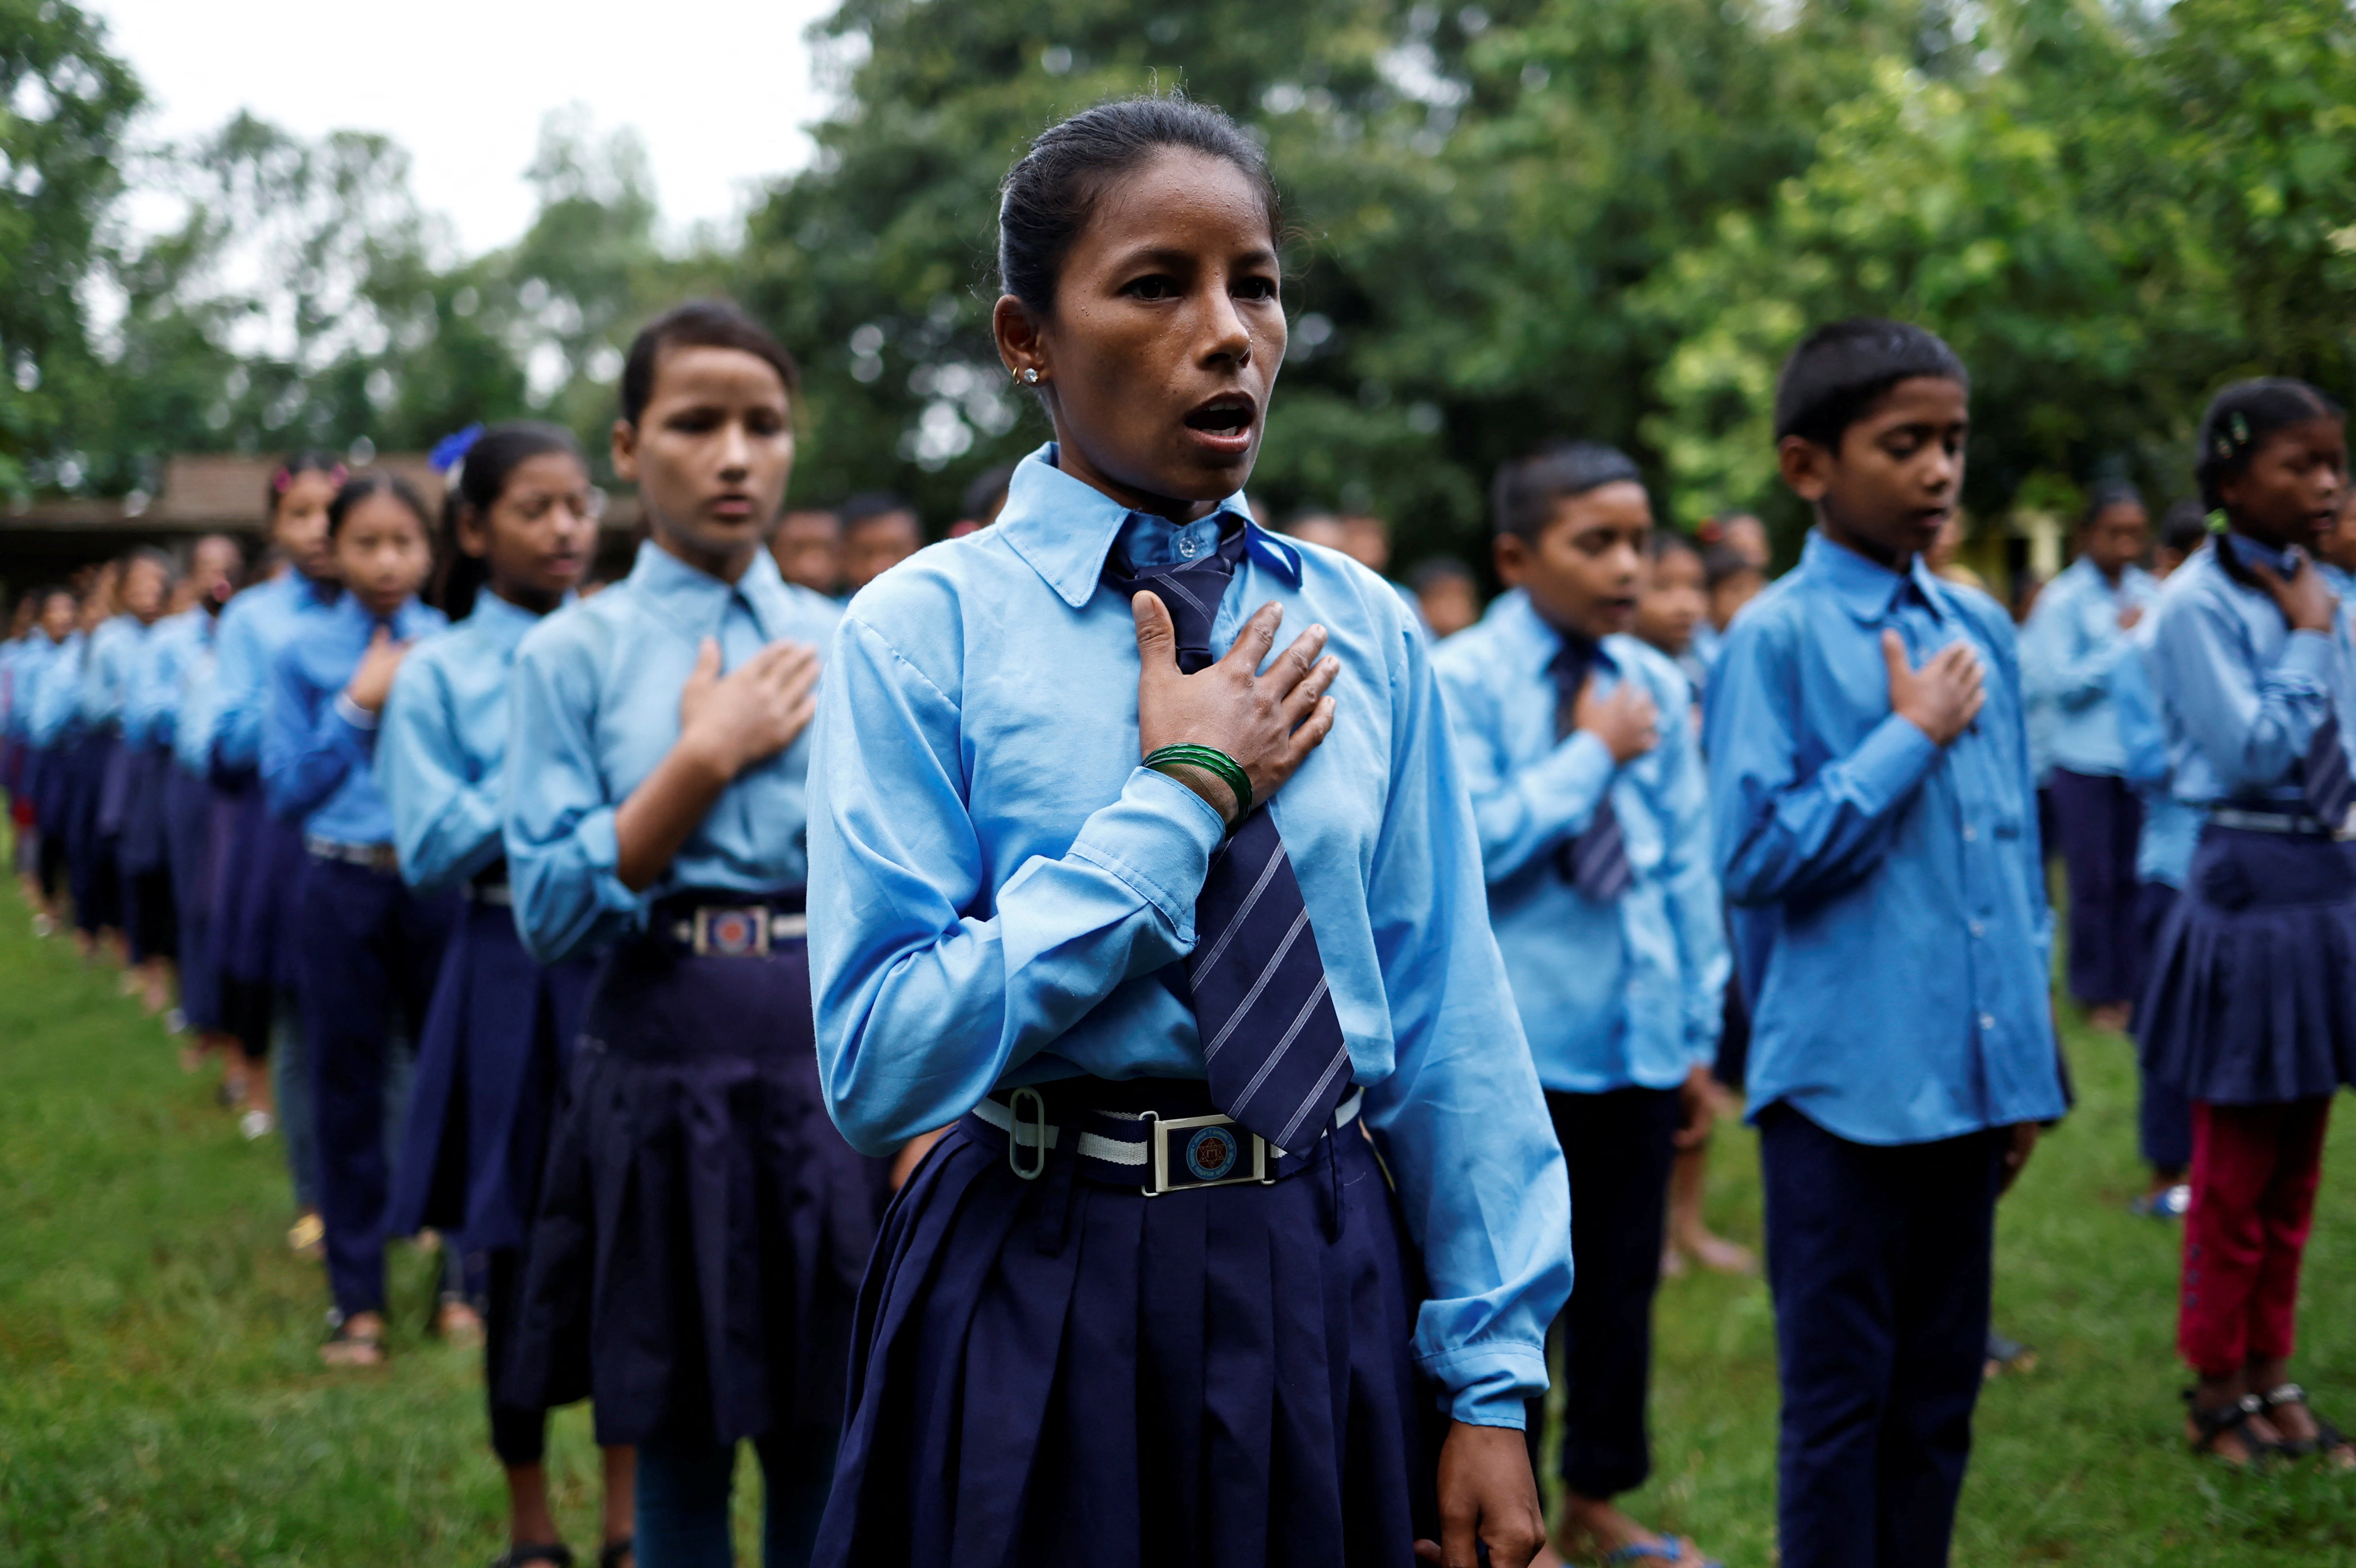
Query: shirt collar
[2282,562]
[697,602]
[1867,589]
[1531,641]
[1065,528]
[405,623]
[504,622]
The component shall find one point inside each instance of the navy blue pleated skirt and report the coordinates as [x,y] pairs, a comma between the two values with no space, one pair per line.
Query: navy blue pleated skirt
[2252,998]
[702,1226]
[116,761]
[491,1064]
[260,862]
[146,845]
[187,835]
[1060,1372]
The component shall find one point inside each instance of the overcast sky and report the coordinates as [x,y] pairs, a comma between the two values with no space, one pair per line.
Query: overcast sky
[720,97]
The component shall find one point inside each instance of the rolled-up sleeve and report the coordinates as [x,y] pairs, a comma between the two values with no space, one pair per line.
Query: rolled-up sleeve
[922,1002]
[445,823]
[1462,1120]
[563,859]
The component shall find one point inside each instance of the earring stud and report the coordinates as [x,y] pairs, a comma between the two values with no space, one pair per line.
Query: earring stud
[1030,376]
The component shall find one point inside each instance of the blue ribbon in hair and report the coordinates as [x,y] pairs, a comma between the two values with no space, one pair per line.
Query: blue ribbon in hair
[452,449]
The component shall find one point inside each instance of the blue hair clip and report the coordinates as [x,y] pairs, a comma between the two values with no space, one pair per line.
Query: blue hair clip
[452,449]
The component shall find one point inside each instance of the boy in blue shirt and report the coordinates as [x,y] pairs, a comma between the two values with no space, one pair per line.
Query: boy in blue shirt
[1876,834]
[1588,792]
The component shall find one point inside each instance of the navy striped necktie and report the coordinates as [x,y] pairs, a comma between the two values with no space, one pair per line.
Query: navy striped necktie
[1272,1045]
[1596,862]
[2330,791]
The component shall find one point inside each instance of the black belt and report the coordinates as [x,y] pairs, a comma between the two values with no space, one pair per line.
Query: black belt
[1143,1149]
[722,923]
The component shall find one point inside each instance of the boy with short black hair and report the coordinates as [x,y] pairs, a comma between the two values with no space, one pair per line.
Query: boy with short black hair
[1876,834]
[1588,792]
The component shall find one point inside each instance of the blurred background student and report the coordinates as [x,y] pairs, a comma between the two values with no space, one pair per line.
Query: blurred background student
[879,531]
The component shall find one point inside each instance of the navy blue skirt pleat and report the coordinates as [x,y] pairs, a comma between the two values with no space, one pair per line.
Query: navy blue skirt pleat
[188,833]
[695,1257]
[260,861]
[144,846]
[116,763]
[1061,1371]
[491,1064]
[2252,998]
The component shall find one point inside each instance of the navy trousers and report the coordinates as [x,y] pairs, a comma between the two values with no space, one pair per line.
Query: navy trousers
[2163,1115]
[2099,821]
[1619,1148]
[1878,1259]
[367,952]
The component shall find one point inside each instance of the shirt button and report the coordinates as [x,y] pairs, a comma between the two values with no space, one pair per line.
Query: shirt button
[1971,833]
[1988,1021]
[1186,546]
[1979,928]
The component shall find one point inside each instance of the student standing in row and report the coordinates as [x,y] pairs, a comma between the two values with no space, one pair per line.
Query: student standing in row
[2253,992]
[518,528]
[1584,766]
[1139,918]
[139,893]
[1876,835]
[44,651]
[2075,641]
[259,857]
[366,949]
[655,802]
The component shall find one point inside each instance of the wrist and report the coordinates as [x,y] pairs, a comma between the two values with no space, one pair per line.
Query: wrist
[706,755]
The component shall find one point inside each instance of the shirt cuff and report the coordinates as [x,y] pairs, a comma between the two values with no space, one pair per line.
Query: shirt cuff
[1487,1383]
[2306,653]
[352,714]
[1889,762]
[601,852]
[1157,837]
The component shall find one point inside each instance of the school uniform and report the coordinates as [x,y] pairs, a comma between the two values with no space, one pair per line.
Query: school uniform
[69,795]
[1891,932]
[102,778]
[366,949]
[1605,906]
[150,713]
[259,861]
[500,1037]
[185,724]
[2163,857]
[1014,924]
[2253,991]
[699,1234]
[2070,654]
[48,677]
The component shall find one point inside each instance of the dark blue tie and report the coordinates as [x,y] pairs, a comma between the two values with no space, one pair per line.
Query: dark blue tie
[1596,862]
[1272,1045]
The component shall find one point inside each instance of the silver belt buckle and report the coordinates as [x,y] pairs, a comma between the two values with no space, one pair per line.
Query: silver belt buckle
[731,930]
[1212,1152]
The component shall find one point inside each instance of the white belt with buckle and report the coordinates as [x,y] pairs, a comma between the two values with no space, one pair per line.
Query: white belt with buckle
[368,856]
[737,930]
[2281,823]
[1209,1147]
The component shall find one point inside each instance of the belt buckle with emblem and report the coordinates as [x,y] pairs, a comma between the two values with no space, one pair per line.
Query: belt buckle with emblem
[732,930]
[1208,1151]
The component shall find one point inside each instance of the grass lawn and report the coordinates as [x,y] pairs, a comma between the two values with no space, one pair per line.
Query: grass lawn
[161,1402]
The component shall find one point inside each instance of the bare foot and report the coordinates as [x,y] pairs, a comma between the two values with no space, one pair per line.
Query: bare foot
[456,1322]
[1592,1526]
[1715,1254]
[358,1341]
[2113,1016]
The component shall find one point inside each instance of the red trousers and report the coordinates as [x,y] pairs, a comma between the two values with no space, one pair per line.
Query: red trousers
[2255,1172]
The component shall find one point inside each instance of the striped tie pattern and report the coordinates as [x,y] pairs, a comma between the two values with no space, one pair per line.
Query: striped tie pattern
[2330,791]
[1596,862]
[1272,1045]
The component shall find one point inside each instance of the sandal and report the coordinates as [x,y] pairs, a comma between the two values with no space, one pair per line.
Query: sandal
[350,1347]
[622,1553]
[2234,1418]
[518,1554]
[1668,1549]
[2326,1439]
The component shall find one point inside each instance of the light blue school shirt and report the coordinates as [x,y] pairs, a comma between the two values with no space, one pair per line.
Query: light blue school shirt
[2069,652]
[151,701]
[1890,922]
[444,737]
[254,627]
[199,702]
[2240,692]
[997,889]
[114,649]
[316,746]
[54,709]
[597,707]
[1628,992]
[2171,829]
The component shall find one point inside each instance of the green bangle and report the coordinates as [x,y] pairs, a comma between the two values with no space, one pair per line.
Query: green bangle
[1211,760]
